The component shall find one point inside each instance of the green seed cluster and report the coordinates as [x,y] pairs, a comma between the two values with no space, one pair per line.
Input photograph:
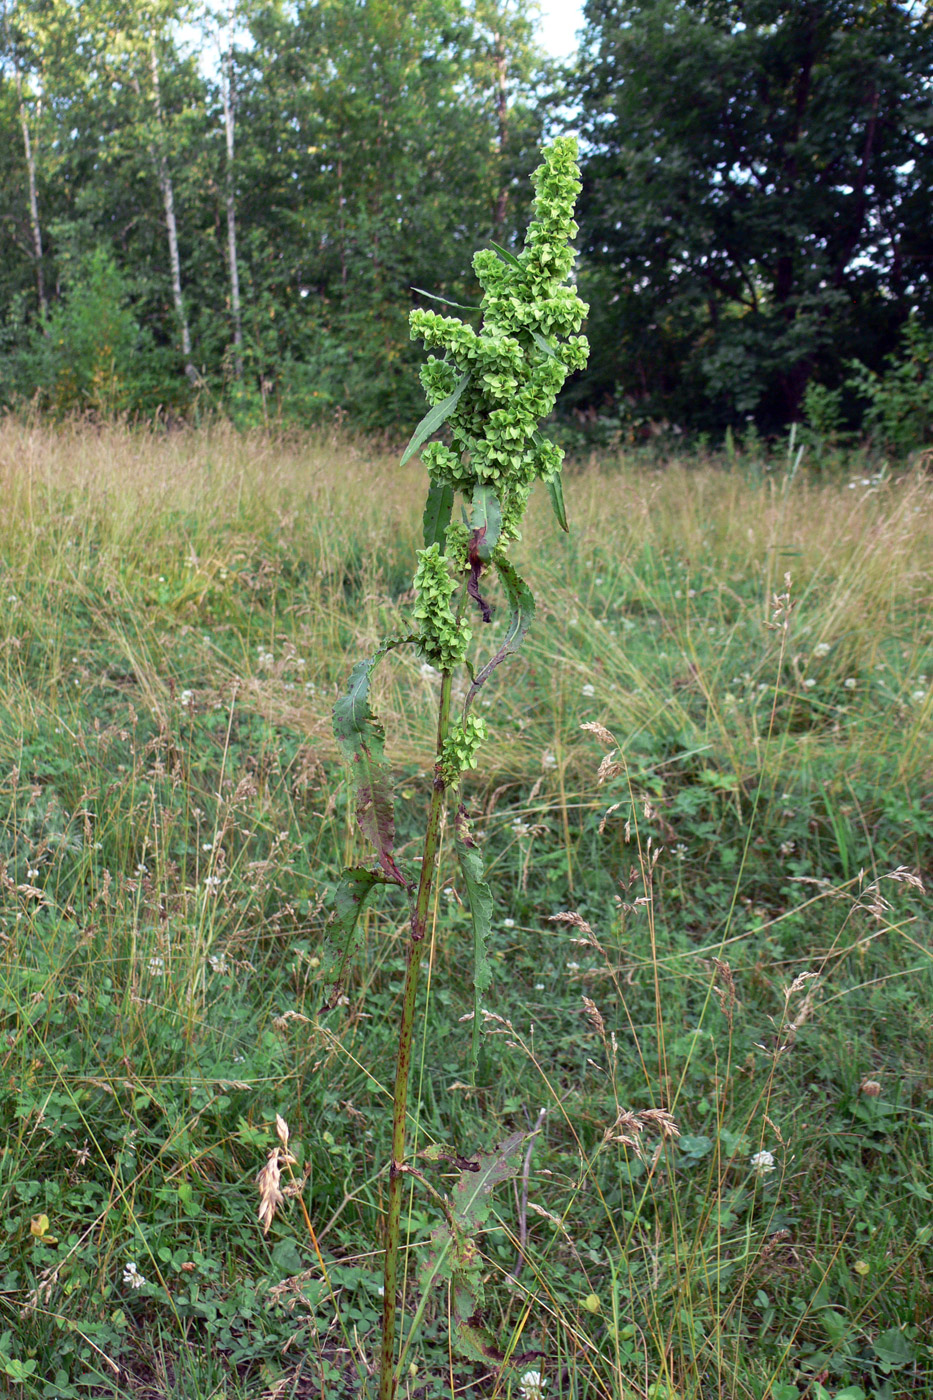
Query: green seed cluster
[442,638]
[461,747]
[517,362]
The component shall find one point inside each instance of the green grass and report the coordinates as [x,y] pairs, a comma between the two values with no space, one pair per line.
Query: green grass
[748,945]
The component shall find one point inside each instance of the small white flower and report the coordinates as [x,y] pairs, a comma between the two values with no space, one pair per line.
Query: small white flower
[32,874]
[598,582]
[918,695]
[212,882]
[532,1385]
[186,697]
[156,967]
[573,967]
[850,683]
[207,845]
[539,986]
[142,869]
[809,683]
[762,1163]
[548,760]
[588,690]
[132,1277]
[508,923]
[218,964]
[821,649]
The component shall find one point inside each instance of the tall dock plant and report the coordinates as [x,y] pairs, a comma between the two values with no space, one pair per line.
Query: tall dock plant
[491,387]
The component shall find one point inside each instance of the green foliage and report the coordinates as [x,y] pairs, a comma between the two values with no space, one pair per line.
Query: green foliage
[900,398]
[87,355]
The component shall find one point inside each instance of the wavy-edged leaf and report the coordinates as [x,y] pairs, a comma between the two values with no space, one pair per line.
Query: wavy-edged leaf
[437,512]
[436,417]
[521,615]
[353,890]
[556,492]
[474,877]
[485,521]
[361,740]
[471,1198]
[445,301]
[506,256]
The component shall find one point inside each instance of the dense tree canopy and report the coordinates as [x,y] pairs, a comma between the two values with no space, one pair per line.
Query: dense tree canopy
[759,196]
[228,203]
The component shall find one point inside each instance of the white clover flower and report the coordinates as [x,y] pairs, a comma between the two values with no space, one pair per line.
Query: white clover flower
[132,1277]
[508,923]
[850,683]
[186,697]
[809,683]
[762,1163]
[573,967]
[218,964]
[156,967]
[588,690]
[532,1385]
[539,986]
[212,882]
[142,869]
[821,649]
[32,874]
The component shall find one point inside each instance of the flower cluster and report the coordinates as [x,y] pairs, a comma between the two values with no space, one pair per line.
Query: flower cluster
[442,638]
[516,364]
[461,747]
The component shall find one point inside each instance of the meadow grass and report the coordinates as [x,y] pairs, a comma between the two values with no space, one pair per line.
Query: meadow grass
[705,821]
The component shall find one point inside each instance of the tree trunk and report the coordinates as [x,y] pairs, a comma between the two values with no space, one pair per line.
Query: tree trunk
[229,101]
[33,195]
[168,201]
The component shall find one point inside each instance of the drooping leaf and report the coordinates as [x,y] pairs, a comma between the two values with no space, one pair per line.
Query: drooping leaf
[521,615]
[354,889]
[453,1256]
[437,511]
[485,520]
[435,418]
[432,296]
[505,255]
[556,492]
[471,865]
[361,740]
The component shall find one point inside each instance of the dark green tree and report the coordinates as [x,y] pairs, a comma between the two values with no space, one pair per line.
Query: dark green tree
[758,198]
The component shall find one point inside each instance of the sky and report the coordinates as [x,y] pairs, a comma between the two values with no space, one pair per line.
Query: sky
[560,20]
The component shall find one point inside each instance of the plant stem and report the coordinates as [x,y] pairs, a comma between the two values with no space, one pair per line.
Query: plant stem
[419,920]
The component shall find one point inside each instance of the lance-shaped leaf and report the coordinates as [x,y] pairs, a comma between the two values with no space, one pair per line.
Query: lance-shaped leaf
[437,511]
[505,255]
[542,344]
[521,615]
[555,489]
[435,418]
[480,896]
[445,301]
[556,492]
[361,740]
[485,521]
[353,890]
